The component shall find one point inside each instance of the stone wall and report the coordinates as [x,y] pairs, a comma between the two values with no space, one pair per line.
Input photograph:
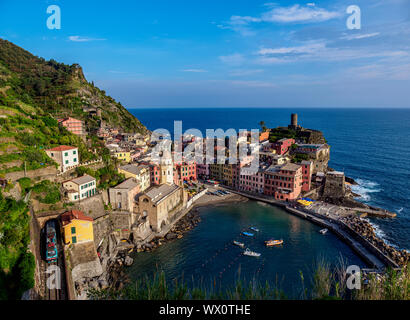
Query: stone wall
[92,207]
[48,173]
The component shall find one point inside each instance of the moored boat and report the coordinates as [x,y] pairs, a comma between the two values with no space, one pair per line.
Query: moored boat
[250,253]
[239,244]
[323,231]
[254,229]
[271,243]
[248,234]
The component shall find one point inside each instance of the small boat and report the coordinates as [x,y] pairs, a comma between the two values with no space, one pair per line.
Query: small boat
[271,243]
[239,244]
[248,234]
[250,253]
[323,231]
[254,229]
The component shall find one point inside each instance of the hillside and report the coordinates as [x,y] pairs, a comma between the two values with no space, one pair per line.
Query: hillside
[37,86]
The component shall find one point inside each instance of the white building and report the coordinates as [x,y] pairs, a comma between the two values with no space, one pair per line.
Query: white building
[65,156]
[80,188]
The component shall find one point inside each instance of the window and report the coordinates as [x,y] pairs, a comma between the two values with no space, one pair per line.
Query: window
[75,152]
[72,230]
[75,159]
[74,239]
[66,162]
[66,154]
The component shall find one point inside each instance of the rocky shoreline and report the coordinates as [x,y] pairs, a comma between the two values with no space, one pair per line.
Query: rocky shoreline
[365,229]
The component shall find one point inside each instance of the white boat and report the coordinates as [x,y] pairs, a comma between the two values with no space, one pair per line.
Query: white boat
[323,231]
[239,244]
[254,229]
[250,253]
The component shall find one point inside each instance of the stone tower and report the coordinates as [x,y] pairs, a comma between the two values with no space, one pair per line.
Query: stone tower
[293,121]
[167,168]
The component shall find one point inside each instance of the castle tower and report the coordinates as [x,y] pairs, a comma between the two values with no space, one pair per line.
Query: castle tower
[293,121]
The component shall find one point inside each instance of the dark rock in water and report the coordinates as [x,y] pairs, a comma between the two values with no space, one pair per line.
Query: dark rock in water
[171,236]
[351,181]
[128,261]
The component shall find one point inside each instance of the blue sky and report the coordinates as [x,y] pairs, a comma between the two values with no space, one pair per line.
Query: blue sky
[163,53]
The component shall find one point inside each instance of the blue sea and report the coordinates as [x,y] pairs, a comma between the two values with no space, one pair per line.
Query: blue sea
[370,145]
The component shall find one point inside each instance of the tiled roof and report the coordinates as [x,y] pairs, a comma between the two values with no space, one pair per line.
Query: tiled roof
[128,184]
[62,148]
[84,179]
[159,193]
[68,216]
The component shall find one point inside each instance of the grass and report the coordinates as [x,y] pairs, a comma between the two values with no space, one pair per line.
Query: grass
[327,284]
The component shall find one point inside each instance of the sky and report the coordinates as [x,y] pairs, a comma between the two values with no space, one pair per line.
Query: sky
[233,53]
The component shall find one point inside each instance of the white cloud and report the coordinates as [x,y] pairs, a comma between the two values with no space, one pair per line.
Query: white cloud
[195,70]
[360,36]
[298,13]
[233,59]
[320,51]
[83,39]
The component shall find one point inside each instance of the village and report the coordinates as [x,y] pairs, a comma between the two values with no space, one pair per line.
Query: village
[97,228]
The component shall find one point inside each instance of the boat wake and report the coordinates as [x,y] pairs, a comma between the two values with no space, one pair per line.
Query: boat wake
[365,188]
[400,210]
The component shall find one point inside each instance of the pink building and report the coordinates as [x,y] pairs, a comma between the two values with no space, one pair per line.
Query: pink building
[184,172]
[307,170]
[202,171]
[284,182]
[251,181]
[282,146]
[73,125]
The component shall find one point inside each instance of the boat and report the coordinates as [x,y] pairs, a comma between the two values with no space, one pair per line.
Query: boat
[323,231]
[254,229]
[250,253]
[248,234]
[239,244]
[271,243]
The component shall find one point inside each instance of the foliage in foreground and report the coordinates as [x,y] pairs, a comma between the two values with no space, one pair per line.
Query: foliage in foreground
[16,264]
[327,284]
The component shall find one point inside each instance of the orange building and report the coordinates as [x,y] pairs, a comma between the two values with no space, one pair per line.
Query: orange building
[77,227]
[284,182]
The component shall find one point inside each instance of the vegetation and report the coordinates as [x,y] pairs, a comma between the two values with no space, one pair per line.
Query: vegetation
[326,284]
[47,87]
[280,133]
[107,176]
[16,264]
[47,192]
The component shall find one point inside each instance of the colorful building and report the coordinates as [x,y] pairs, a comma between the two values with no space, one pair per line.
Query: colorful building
[80,188]
[73,125]
[122,155]
[282,146]
[77,227]
[284,182]
[140,173]
[65,156]
[251,181]
[184,172]
[202,171]
[307,171]
[264,136]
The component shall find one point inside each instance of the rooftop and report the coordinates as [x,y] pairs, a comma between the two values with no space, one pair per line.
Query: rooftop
[132,168]
[68,216]
[290,167]
[159,193]
[128,184]
[62,148]
[84,179]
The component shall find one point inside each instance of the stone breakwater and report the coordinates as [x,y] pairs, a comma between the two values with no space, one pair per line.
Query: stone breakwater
[365,229]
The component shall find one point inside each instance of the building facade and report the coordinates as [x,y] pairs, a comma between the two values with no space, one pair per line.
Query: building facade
[284,182]
[123,196]
[65,156]
[77,227]
[140,173]
[80,188]
[282,146]
[73,125]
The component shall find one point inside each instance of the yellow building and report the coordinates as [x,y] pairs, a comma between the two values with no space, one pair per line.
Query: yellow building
[77,227]
[140,173]
[123,155]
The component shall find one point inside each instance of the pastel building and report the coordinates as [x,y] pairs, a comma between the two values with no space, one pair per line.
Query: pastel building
[184,172]
[122,155]
[282,146]
[202,171]
[73,125]
[307,171]
[252,181]
[80,188]
[284,182]
[140,173]
[65,156]
[77,227]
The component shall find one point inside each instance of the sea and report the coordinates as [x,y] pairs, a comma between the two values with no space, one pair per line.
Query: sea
[371,146]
